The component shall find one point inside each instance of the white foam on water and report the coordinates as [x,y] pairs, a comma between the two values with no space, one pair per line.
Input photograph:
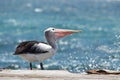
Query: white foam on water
[108,49]
[29,5]
[38,10]
[12,21]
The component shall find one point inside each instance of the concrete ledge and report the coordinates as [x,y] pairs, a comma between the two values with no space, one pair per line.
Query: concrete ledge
[51,75]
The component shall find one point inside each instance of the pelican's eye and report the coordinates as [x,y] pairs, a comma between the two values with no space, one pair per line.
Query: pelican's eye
[52,29]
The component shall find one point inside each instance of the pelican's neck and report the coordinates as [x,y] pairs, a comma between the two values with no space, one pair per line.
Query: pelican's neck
[52,42]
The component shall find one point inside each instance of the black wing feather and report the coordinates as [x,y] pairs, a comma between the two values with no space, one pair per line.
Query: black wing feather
[27,47]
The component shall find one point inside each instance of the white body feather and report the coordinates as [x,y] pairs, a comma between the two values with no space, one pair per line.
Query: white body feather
[33,57]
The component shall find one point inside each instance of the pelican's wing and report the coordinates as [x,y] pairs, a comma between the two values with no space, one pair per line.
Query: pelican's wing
[32,47]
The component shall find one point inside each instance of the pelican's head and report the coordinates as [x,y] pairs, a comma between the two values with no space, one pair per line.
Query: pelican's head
[58,33]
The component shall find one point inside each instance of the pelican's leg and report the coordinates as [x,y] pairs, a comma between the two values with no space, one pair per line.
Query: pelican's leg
[30,66]
[41,65]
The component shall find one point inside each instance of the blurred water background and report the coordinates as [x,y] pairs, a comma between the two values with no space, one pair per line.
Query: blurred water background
[97,47]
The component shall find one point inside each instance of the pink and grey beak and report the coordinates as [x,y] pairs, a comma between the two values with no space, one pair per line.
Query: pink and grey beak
[59,33]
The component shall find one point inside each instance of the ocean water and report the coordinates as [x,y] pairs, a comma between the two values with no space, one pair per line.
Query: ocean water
[97,47]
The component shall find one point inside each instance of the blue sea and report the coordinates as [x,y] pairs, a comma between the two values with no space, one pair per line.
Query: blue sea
[96,47]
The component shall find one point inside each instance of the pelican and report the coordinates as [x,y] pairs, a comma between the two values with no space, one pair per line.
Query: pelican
[33,51]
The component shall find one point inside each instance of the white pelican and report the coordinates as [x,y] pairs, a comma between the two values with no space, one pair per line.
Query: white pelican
[33,51]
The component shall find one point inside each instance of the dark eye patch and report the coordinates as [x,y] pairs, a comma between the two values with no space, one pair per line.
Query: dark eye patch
[53,29]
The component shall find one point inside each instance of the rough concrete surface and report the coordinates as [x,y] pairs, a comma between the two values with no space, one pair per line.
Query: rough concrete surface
[52,75]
